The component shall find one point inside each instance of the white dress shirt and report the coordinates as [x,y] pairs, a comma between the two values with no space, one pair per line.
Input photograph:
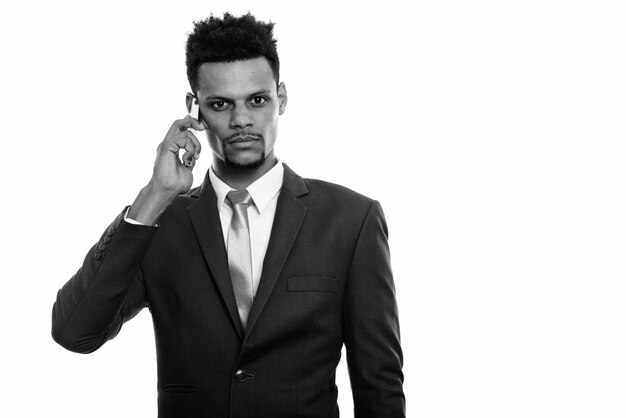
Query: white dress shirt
[264,192]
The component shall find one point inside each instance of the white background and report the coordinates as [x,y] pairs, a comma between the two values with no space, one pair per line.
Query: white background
[492,132]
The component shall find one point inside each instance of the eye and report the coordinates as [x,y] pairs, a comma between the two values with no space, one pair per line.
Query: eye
[259,100]
[218,105]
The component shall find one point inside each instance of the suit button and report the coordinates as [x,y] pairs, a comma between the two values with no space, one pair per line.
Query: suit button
[240,375]
[102,246]
[98,255]
[111,230]
[106,238]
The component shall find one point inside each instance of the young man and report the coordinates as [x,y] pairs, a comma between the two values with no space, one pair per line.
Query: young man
[257,278]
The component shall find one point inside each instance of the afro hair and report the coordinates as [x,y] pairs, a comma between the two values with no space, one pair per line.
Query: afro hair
[230,39]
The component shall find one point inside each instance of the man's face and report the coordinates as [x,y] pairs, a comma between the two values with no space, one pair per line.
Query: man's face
[240,104]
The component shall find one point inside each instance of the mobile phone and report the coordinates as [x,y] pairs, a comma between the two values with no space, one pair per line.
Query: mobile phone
[194,111]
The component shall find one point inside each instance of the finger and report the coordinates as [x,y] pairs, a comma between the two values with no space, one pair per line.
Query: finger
[189,122]
[177,126]
[176,143]
[188,160]
[184,140]
[197,145]
[197,125]
[181,139]
[188,141]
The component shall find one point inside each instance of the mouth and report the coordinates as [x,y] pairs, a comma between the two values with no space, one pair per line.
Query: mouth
[243,139]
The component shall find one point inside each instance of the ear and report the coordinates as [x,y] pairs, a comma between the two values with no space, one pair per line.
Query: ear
[282,98]
[189,99]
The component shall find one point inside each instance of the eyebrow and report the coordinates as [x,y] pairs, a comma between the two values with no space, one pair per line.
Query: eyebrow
[226,99]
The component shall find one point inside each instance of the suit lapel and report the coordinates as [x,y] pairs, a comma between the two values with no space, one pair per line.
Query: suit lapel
[289,215]
[206,223]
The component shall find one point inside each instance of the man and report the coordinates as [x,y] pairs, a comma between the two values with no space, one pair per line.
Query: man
[257,278]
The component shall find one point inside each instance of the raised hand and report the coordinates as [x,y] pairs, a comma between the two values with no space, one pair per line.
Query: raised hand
[170,176]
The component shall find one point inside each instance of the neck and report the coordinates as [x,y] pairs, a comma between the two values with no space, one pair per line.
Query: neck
[241,178]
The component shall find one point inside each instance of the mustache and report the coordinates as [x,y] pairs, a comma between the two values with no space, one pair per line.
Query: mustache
[243,136]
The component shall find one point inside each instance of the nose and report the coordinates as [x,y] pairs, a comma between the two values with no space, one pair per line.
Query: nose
[241,118]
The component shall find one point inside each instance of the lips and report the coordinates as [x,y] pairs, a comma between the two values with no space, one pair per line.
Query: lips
[243,139]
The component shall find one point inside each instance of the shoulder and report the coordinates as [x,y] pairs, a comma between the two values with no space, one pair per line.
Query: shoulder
[342,208]
[335,192]
[324,194]
[334,203]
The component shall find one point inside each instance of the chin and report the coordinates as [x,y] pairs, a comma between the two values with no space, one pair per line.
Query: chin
[248,164]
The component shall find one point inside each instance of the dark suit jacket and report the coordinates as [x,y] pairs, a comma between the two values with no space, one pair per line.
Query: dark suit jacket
[326,281]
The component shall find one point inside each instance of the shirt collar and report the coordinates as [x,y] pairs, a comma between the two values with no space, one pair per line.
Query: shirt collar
[262,190]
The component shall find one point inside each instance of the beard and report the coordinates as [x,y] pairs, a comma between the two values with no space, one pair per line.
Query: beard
[251,165]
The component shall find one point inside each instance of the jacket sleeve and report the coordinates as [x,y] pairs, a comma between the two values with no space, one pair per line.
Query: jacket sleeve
[370,325]
[106,291]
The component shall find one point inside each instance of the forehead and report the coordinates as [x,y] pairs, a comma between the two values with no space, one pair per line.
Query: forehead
[232,79]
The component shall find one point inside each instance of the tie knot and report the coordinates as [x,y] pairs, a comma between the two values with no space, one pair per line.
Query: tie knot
[236,197]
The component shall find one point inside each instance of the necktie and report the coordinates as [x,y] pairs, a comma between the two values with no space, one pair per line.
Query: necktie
[239,255]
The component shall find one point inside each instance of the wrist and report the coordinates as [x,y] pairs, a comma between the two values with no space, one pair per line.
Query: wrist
[158,194]
[150,203]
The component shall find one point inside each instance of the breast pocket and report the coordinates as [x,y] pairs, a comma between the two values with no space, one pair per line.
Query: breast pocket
[321,284]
